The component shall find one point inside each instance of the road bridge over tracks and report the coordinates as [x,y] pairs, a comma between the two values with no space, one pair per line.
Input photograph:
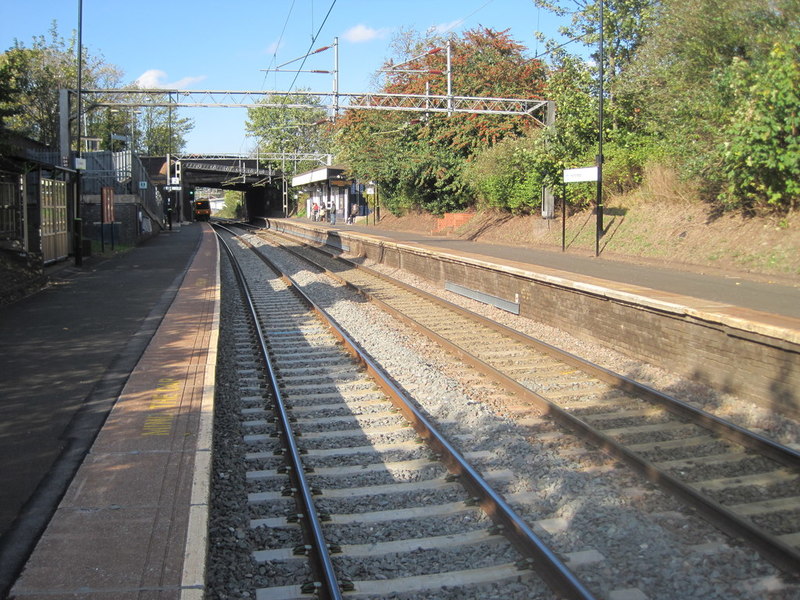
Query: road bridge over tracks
[264,185]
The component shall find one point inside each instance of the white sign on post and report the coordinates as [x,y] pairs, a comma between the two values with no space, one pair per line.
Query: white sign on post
[580,175]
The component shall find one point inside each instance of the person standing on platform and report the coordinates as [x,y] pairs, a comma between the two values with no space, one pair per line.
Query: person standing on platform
[315,212]
[332,211]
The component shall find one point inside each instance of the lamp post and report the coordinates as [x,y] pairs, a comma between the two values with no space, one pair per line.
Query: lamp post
[134,125]
[77,229]
[599,198]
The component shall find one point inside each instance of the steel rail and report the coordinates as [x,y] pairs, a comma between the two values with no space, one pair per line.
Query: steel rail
[771,547]
[785,455]
[541,558]
[322,564]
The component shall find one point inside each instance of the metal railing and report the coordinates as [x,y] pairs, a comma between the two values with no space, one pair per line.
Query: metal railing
[10,208]
[124,173]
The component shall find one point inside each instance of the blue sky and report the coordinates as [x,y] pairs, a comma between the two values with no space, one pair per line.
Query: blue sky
[214,45]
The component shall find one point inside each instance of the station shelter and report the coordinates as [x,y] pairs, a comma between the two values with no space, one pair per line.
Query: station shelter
[331,188]
[36,201]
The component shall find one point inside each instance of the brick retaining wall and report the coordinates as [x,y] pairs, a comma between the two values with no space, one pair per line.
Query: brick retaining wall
[452,221]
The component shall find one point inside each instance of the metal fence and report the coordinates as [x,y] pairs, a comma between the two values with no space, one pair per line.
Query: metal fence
[123,172]
[10,207]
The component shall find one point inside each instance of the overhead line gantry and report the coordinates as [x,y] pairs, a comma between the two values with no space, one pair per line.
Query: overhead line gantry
[541,111]
[431,103]
[537,109]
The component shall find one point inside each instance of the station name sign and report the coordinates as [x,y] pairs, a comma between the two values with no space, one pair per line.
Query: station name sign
[580,175]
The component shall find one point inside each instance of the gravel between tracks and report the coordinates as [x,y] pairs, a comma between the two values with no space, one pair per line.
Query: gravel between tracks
[727,406]
[649,542]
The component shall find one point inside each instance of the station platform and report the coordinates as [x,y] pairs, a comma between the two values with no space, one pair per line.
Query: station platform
[106,414]
[775,295]
[736,333]
[106,403]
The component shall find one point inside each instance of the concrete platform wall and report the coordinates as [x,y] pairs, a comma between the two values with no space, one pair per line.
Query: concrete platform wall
[752,357]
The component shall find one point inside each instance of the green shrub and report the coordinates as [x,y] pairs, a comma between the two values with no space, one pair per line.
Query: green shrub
[761,157]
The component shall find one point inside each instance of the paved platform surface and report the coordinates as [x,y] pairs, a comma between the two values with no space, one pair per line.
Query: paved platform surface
[146,320]
[778,297]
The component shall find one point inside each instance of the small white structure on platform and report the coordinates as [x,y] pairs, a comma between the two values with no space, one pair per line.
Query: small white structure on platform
[328,187]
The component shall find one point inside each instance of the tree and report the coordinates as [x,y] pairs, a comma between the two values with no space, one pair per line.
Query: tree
[693,80]
[233,208]
[8,105]
[163,132]
[682,80]
[626,24]
[422,159]
[379,146]
[510,175]
[36,75]
[761,151]
[294,126]
[39,72]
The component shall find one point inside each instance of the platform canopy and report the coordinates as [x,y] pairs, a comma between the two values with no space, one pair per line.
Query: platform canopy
[321,175]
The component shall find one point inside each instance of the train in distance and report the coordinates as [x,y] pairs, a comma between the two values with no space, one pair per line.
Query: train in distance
[202,210]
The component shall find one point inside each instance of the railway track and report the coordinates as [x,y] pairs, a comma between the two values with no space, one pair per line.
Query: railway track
[342,494]
[746,484]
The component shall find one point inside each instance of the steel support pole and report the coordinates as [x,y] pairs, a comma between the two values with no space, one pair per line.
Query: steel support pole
[563,217]
[449,79]
[77,228]
[335,78]
[550,123]
[599,198]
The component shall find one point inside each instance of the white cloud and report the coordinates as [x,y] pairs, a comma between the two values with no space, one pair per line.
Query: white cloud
[362,33]
[157,79]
